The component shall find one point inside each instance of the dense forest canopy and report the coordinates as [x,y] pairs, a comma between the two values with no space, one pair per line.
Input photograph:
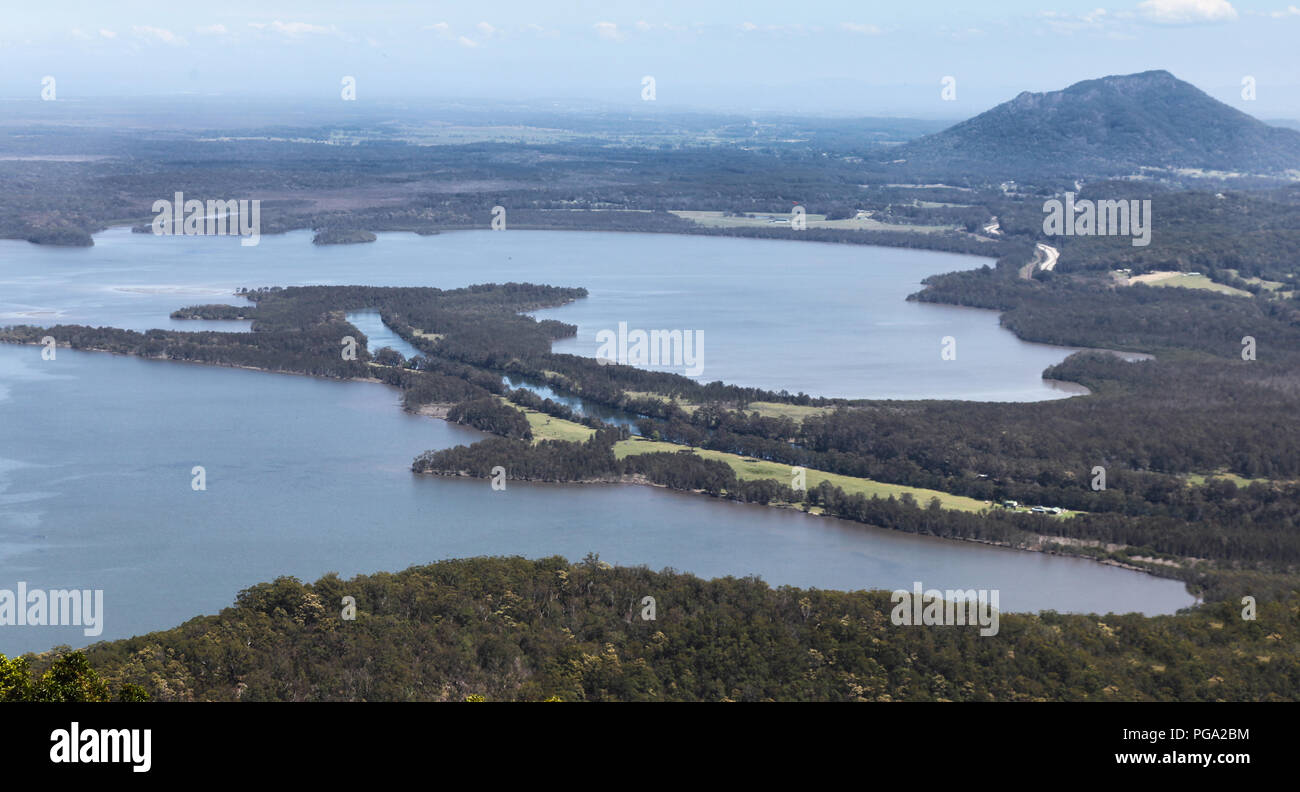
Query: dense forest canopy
[548,630]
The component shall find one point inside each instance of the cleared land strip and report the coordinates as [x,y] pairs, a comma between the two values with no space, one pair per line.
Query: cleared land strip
[547,427]
[795,412]
[754,469]
[1185,280]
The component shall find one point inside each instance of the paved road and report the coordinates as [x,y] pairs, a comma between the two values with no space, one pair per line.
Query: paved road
[1050,255]
[1045,257]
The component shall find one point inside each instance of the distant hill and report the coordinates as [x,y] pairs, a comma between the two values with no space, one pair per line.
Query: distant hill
[1111,125]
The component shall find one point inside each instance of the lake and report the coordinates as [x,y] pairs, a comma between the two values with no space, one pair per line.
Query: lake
[828,320]
[306,476]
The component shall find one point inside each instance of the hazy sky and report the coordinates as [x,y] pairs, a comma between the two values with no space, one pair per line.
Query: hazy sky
[842,58]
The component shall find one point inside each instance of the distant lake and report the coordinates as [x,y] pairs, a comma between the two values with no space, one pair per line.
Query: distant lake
[306,476]
[828,320]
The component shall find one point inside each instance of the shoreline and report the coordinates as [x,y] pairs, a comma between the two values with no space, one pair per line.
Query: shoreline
[1046,544]
[699,231]
[1078,389]
[439,411]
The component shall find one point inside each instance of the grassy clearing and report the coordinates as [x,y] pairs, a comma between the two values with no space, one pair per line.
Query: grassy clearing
[795,412]
[757,469]
[650,395]
[765,409]
[687,407]
[1201,479]
[548,427]
[431,336]
[1267,284]
[1184,281]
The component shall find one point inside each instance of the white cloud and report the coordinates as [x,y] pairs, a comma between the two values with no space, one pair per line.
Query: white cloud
[795,29]
[444,31]
[1289,11]
[856,27]
[608,30]
[291,28]
[108,34]
[1182,12]
[541,31]
[1061,22]
[158,34]
[79,33]
[213,29]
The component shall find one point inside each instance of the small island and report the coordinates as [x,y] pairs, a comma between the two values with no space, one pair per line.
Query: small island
[341,236]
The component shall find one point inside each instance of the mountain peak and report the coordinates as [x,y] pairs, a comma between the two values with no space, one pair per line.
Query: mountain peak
[1150,76]
[1113,124]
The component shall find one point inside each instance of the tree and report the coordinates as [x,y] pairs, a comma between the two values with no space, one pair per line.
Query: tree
[15,679]
[387,356]
[70,679]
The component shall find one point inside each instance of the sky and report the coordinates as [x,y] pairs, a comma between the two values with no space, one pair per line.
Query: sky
[852,58]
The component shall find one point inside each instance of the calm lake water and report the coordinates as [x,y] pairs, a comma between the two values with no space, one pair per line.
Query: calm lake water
[828,320]
[306,476]
[378,335]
